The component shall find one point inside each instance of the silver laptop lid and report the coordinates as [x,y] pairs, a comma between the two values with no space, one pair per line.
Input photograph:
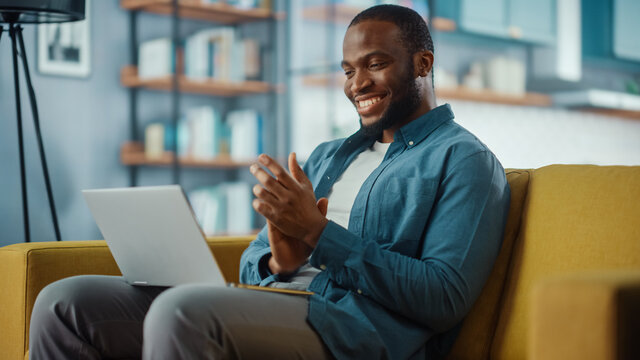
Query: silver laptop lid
[153,235]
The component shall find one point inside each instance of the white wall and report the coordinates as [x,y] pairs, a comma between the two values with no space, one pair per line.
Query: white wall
[531,137]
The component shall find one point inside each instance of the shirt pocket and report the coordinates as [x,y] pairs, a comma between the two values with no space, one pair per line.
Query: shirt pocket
[405,210]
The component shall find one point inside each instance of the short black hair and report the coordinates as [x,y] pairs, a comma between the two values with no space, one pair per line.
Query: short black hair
[414,31]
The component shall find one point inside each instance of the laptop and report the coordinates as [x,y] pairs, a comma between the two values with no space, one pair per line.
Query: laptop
[155,238]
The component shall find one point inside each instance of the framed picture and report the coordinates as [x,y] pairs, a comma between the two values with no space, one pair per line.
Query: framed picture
[64,48]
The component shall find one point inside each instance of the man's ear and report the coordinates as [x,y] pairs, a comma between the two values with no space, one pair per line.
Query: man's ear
[423,63]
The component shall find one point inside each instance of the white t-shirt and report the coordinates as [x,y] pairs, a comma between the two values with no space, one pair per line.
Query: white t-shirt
[345,189]
[341,198]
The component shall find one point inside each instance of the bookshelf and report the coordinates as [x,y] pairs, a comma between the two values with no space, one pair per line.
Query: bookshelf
[208,17]
[344,13]
[459,93]
[488,96]
[627,114]
[220,13]
[129,78]
[132,154]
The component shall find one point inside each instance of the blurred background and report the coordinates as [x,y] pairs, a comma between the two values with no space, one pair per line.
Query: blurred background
[540,82]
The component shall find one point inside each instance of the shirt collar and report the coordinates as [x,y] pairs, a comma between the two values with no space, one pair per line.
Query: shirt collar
[410,134]
[417,130]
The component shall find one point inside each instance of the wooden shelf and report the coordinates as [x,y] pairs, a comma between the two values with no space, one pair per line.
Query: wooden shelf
[345,13]
[221,12]
[324,80]
[460,93]
[627,114]
[488,96]
[129,78]
[132,153]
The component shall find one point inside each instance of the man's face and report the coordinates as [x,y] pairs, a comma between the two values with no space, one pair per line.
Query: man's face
[380,75]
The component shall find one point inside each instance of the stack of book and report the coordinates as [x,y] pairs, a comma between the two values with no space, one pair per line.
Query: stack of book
[203,135]
[245,129]
[216,53]
[224,208]
[220,54]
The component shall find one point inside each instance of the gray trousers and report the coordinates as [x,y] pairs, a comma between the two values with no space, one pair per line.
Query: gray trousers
[103,317]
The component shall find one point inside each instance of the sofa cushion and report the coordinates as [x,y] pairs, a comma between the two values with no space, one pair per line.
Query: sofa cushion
[575,218]
[475,337]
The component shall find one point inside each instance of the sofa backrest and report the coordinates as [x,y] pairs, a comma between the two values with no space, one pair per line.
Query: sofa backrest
[474,340]
[575,218]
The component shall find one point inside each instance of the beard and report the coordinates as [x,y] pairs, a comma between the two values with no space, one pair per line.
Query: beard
[398,110]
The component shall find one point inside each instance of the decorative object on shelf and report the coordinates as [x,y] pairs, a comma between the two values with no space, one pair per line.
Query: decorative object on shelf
[64,48]
[14,13]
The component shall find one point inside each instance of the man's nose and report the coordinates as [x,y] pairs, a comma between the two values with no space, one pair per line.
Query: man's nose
[361,80]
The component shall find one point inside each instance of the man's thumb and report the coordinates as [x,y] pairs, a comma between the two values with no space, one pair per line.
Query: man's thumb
[296,170]
[323,204]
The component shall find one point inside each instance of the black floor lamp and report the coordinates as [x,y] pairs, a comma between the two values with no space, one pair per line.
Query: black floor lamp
[14,13]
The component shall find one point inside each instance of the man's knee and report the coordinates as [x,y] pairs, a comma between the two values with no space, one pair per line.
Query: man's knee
[173,309]
[56,298]
[55,311]
[69,300]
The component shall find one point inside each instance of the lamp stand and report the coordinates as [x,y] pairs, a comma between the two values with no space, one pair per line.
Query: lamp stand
[15,32]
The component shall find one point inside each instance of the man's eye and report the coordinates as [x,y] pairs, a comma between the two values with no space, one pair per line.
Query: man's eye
[348,73]
[376,65]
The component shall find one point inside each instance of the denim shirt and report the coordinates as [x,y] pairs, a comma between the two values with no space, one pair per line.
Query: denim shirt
[424,232]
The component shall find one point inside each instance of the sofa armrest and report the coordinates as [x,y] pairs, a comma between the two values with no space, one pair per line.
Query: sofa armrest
[27,268]
[587,316]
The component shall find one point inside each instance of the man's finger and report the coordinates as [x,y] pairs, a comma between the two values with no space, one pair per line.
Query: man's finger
[264,194]
[297,172]
[268,182]
[323,205]
[278,171]
[263,208]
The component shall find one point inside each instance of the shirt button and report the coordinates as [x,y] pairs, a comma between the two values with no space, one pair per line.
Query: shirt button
[359,292]
[410,143]
[328,177]
[323,267]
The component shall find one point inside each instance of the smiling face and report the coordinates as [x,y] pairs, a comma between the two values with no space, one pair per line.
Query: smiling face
[381,78]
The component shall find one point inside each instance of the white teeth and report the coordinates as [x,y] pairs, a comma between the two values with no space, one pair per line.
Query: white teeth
[368,102]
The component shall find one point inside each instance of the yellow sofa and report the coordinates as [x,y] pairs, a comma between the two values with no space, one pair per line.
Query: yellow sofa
[566,284]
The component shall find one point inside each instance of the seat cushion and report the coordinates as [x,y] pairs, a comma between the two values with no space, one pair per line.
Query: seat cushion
[474,339]
[575,218]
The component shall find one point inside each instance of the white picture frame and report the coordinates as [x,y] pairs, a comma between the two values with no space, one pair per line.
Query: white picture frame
[65,48]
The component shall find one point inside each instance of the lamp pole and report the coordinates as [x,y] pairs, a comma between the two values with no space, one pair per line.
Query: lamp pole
[17,42]
[14,13]
[13,29]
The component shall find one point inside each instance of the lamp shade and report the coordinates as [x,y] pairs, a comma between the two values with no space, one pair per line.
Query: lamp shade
[41,11]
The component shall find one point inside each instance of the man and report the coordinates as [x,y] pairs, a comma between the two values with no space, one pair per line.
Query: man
[408,223]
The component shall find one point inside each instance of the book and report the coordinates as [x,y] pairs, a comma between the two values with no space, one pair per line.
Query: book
[245,127]
[156,58]
[239,212]
[208,205]
[220,54]
[154,140]
[224,208]
[205,132]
